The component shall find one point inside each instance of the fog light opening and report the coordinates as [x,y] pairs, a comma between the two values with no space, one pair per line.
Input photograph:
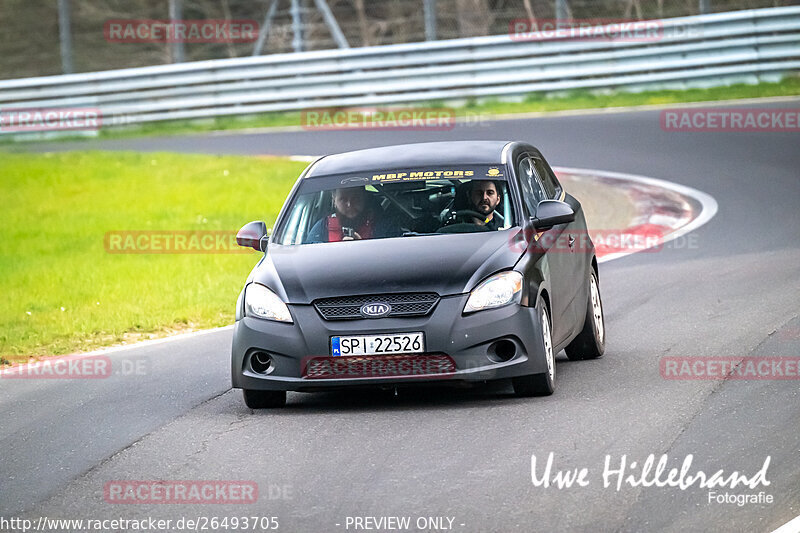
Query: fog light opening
[260,362]
[503,350]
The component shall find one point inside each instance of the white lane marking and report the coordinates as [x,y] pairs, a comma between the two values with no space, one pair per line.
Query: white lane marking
[792,526]
[708,204]
[161,340]
[114,349]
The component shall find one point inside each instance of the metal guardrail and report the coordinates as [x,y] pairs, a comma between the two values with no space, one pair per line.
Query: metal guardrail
[696,51]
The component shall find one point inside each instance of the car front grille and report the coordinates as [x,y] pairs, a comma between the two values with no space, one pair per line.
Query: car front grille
[403,305]
[373,366]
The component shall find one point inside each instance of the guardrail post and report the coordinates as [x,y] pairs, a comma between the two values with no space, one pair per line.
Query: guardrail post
[330,21]
[265,27]
[429,9]
[65,36]
[175,14]
[562,10]
[704,6]
[297,27]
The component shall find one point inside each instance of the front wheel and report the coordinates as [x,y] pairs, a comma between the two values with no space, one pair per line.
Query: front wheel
[263,399]
[543,384]
[591,341]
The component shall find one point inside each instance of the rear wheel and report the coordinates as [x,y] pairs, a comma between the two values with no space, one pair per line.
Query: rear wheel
[263,399]
[543,384]
[591,341]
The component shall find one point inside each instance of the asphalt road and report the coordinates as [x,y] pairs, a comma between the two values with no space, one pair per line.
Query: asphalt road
[467,454]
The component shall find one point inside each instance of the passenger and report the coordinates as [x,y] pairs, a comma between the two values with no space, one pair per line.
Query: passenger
[352,219]
[484,198]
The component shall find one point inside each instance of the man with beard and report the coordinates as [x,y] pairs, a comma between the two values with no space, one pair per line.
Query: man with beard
[351,220]
[484,197]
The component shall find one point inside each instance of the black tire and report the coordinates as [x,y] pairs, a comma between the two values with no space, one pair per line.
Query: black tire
[264,399]
[540,384]
[591,341]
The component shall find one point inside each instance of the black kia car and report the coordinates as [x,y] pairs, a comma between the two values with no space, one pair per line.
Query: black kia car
[452,262]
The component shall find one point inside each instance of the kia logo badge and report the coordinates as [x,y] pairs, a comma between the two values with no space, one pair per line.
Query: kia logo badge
[375,310]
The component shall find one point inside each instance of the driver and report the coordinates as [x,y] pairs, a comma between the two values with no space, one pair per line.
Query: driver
[351,220]
[484,197]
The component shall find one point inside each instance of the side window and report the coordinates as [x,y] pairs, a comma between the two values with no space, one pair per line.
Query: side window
[524,173]
[532,189]
[548,180]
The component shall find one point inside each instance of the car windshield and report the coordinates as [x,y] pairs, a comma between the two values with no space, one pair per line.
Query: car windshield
[398,203]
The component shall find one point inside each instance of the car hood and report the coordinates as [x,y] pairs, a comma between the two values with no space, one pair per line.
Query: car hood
[444,264]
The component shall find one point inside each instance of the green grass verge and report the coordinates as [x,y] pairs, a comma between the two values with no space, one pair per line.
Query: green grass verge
[592,100]
[538,102]
[62,292]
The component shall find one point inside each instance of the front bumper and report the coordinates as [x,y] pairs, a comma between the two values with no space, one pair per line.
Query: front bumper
[470,340]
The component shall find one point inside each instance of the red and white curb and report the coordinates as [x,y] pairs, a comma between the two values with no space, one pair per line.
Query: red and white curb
[665,211]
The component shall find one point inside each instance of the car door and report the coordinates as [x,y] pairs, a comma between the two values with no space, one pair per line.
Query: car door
[574,257]
[556,252]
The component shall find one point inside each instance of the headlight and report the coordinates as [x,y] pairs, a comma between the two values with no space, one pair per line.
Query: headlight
[499,290]
[261,302]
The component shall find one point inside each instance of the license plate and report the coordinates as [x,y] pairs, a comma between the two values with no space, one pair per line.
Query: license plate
[378,344]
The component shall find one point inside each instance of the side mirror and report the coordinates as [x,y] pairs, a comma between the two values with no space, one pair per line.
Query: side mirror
[552,212]
[253,235]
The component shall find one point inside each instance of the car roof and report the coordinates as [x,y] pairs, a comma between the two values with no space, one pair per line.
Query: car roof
[410,156]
